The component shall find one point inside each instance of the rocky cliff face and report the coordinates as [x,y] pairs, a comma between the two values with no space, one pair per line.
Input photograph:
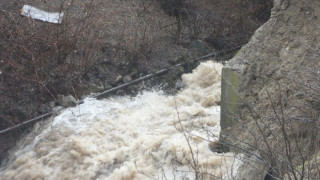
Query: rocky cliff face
[271,90]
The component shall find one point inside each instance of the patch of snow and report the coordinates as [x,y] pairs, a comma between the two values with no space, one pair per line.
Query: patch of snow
[35,13]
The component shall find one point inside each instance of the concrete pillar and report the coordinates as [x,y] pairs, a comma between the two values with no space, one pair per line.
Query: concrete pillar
[230,100]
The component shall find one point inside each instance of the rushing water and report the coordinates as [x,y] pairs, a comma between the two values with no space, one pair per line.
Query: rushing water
[150,136]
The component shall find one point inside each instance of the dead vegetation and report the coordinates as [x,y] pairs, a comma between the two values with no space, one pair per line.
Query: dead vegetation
[223,24]
[40,60]
[98,40]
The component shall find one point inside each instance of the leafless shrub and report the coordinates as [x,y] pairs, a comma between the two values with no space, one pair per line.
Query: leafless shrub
[224,24]
[34,56]
[40,60]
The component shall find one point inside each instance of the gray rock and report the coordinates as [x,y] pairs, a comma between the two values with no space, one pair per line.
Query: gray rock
[66,101]
[201,47]
[120,92]
[118,79]
[179,84]
[44,108]
[178,60]
[134,72]
[106,85]
[56,109]
[127,79]
[285,4]
[91,88]
[52,104]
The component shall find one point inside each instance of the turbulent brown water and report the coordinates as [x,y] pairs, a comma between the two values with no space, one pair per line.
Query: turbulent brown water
[124,138]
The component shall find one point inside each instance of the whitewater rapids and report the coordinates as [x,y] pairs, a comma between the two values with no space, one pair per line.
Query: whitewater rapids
[125,138]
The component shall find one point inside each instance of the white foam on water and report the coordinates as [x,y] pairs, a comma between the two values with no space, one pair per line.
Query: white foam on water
[124,138]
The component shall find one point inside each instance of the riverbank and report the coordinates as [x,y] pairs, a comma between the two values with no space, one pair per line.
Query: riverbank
[103,44]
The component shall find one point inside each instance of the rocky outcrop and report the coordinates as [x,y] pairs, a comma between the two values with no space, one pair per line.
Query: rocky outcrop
[66,101]
[265,77]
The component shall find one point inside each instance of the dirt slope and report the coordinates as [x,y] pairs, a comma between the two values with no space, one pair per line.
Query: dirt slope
[279,91]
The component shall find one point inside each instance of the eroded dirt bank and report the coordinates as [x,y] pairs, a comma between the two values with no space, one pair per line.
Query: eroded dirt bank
[278,110]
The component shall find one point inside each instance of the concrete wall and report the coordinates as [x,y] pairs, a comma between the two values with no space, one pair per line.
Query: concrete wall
[230,100]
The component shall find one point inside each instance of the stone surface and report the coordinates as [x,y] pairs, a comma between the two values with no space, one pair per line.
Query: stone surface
[201,47]
[107,85]
[127,79]
[118,79]
[67,101]
[89,89]
[179,84]
[178,60]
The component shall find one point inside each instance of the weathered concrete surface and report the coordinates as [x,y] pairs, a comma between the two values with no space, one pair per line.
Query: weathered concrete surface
[230,100]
